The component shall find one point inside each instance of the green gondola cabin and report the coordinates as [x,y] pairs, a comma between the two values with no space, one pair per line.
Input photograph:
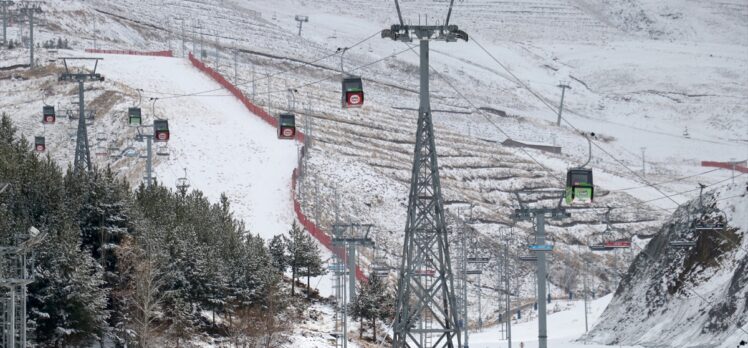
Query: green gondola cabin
[160,130]
[48,114]
[579,186]
[353,92]
[39,145]
[286,126]
[134,117]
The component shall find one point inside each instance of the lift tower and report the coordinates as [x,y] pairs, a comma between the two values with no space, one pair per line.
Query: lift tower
[426,312]
[82,152]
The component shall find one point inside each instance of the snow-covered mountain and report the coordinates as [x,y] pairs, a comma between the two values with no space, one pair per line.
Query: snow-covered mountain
[692,297]
[642,72]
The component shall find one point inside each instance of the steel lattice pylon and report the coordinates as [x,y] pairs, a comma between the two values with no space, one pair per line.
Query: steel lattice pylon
[426,312]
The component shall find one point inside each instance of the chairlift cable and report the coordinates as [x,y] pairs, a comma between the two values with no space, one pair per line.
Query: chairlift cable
[244,83]
[552,108]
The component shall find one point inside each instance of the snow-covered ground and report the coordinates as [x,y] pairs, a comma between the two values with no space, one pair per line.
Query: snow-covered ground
[564,328]
[641,71]
[224,148]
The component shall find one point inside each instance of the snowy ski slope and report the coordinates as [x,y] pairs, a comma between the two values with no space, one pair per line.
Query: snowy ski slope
[224,148]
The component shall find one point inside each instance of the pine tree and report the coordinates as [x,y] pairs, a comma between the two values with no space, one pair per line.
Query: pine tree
[373,303]
[278,249]
[312,261]
[296,252]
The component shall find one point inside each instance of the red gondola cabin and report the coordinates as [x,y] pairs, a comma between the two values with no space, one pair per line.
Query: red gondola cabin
[286,126]
[39,145]
[353,92]
[160,130]
[48,114]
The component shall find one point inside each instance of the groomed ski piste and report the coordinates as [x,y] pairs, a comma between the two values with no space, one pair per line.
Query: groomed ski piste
[224,148]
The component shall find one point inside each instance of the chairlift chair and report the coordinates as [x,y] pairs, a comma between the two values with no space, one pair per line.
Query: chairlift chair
[39,144]
[286,126]
[682,244]
[353,92]
[100,136]
[530,258]
[709,224]
[425,273]
[579,186]
[48,114]
[618,244]
[101,150]
[162,150]
[134,117]
[160,131]
[380,270]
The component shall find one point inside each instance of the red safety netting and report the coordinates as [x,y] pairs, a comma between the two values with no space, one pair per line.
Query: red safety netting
[131,52]
[305,222]
[724,165]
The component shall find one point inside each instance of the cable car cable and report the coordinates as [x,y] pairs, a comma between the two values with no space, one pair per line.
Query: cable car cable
[553,109]
[530,155]
[270,75]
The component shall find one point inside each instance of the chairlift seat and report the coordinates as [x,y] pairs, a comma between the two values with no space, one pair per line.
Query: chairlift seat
[161,131]
[579,186]
[162,150]
[599,247]
[134,117]
[618,244]
[286,126]
[709,227]
[682,244]
[48,114]
[39,144]
[353,92]
[101,151]
[528,258]
[425,273]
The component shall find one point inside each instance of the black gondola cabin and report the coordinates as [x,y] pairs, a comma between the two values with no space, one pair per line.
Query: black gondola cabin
[286,126]
[160,130]
[134,117]
[579,186]
[353,92]
[39,145]
[48,114]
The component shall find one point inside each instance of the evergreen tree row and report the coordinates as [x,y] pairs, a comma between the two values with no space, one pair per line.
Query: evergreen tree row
[140,267]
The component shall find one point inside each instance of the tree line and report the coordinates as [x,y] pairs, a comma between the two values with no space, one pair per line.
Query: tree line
[144,267]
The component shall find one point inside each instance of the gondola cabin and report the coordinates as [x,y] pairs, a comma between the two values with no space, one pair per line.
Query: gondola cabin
[286,126]
[39,145]
[579,186]
[160,130]
[618,244]
[48,114]
[134,117]
[353,92]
